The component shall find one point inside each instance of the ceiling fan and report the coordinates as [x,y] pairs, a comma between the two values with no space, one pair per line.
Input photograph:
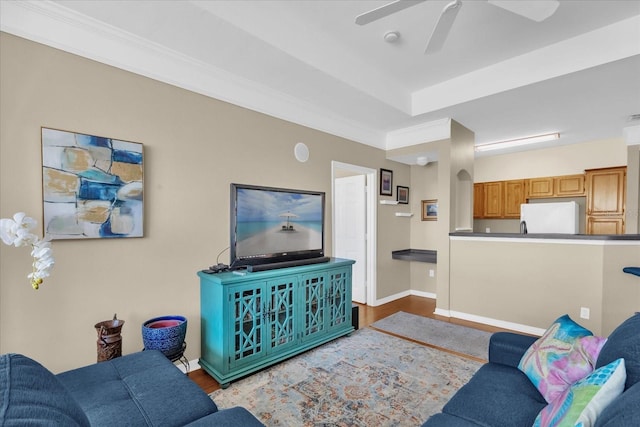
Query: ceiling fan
[536,10]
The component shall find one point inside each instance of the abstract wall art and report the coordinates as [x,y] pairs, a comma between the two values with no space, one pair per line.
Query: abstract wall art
[92,186]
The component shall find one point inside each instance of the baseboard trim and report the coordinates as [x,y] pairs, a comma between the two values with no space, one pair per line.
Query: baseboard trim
[403,294]
[442,312]
[423,294]
[390,298]
[497,323]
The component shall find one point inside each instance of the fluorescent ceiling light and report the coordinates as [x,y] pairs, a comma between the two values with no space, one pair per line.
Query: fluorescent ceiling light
[517,142]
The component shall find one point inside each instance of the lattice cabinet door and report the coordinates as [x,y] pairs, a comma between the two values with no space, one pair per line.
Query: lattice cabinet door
[339,297]
[314,294]
[282,312]
[248,318]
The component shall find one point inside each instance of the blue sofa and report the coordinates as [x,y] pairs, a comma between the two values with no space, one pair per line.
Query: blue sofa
[500,395]
[140,389]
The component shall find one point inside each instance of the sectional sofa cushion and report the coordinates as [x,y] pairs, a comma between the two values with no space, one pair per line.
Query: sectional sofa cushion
[497,395]
[624,342]
[31,395]
[623,411]
[142,388]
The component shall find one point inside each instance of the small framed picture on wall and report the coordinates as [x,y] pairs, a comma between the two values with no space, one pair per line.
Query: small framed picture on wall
[402,195]
[386,182]
[430,210]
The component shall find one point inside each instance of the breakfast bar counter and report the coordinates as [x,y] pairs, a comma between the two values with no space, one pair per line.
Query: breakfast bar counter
[525,281]
[553,236]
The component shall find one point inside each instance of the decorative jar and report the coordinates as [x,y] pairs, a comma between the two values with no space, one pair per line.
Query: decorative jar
[165,333]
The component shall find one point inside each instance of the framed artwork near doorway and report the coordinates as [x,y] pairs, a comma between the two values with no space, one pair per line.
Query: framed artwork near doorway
[386,182]
[402,195]
[430,210]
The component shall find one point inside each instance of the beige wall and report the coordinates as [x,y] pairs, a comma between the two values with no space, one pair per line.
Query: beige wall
[531,282]
[393,276]
[562,160]
[450,182]
[632,225]
[424,186]
[621,291]
[194,147]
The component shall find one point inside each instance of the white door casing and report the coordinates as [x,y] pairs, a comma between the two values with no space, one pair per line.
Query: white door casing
[339,170]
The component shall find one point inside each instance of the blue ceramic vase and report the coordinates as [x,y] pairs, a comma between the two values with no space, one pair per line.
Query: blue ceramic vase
[165,333]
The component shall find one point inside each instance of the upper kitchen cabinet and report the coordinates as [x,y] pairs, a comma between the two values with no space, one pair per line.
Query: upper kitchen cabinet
[556,186]
[568,185]
[514,196]
[540,187]
[499,199]
[606,196]
[493,199]
[478,200]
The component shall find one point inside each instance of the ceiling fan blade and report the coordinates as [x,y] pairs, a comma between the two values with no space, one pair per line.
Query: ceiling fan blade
[443,26]
[386,10]
[536,10]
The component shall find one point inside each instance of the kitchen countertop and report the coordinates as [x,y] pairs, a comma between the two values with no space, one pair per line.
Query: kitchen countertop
[632,237]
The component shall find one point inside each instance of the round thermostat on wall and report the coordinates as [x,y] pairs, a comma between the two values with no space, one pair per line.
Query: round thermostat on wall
[301,152]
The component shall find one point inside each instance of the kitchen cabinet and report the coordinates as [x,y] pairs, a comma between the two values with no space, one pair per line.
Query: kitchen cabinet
[514,196]
[540,187]
[493,199]
[606,198]
[569,186]
[556,186]
[605,225]
[500,199]
[478,200]
[253,320]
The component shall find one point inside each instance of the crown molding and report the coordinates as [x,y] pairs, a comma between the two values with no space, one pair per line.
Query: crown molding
[607,44]
[418,134]
[54,25]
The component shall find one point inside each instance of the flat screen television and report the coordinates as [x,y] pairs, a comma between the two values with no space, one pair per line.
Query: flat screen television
[271,225]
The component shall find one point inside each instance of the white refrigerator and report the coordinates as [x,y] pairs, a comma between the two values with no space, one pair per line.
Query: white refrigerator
[559,218]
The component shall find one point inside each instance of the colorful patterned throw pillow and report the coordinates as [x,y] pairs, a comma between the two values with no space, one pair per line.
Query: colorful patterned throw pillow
[565,353]
[581,403]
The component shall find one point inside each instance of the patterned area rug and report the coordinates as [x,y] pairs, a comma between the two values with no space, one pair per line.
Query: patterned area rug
[460,339]
[368,379]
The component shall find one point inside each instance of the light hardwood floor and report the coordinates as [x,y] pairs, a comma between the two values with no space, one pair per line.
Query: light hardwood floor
[368,315]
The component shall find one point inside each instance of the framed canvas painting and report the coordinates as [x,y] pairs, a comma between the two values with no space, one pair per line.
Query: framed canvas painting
[402,195]
[92,186]
[430,210]
[386,182]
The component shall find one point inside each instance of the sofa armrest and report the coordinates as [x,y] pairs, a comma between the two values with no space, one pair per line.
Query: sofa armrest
[232,417]
[508,348]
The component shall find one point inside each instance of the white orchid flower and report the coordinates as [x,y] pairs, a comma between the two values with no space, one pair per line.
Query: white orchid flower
[5,231]
[17,232]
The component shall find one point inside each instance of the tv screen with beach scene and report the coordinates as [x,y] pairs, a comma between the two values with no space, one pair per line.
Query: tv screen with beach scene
[270,225]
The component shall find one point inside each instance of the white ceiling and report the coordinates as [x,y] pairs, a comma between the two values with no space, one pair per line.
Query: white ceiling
[499,74]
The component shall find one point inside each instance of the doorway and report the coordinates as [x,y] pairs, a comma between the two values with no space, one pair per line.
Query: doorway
[354,225]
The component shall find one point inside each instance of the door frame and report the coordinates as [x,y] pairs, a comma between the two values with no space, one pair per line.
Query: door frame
[371,218]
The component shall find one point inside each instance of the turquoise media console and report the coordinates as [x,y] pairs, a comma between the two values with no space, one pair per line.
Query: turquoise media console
[252,320]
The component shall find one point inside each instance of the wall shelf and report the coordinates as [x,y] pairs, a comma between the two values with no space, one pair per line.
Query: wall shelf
[388,202]
[404,214]
[420,255]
